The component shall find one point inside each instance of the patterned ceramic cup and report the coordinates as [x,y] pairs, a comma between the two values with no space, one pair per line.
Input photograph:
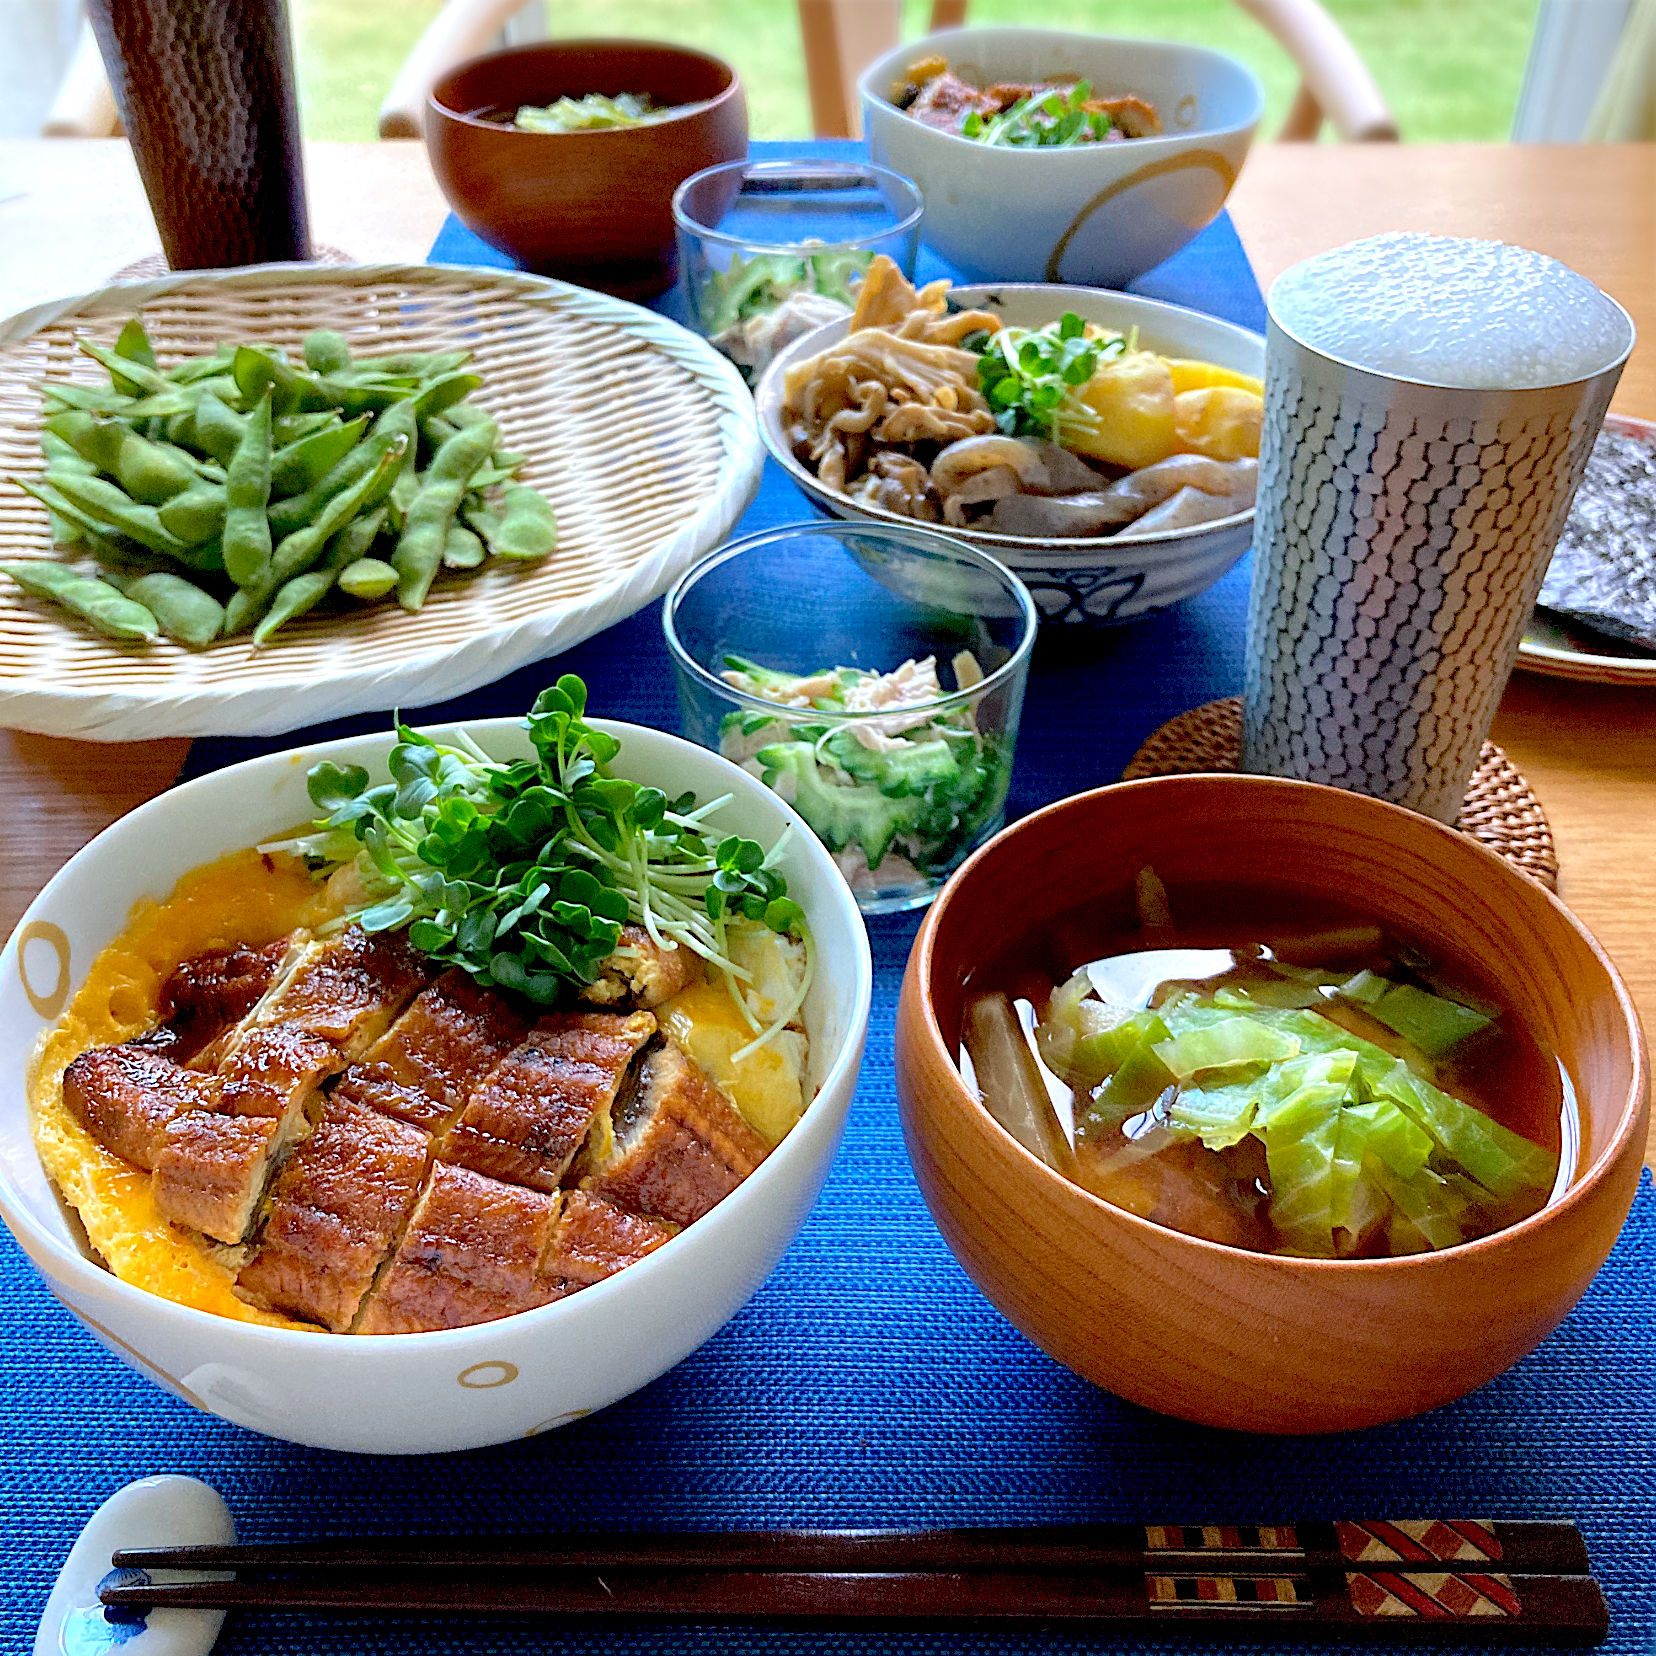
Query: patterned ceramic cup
[1402,534]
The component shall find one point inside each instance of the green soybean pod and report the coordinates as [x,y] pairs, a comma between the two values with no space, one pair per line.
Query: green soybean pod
[62,456]
[134,345]
[293,598]
[291,391]
[131,379]
[247,534]
[325,352]
[413,364]
[107,608]
[424,536]
[289,428]
[197,515]
[527,527]
[399,420]
[300,510]
[94,441]
[304,463]
[463,549]
[218,427]
[192,370]
[356,539]
[182,610]
[87,530]
[367,578]
[296,552]
[93,399]
[481,517]
[112,508]
[151,472]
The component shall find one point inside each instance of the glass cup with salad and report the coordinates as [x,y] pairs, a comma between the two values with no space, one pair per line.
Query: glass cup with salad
[769,250]
[873,678]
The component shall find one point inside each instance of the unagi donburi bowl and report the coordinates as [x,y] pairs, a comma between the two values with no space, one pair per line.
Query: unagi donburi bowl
[1210,1333]
[459,1388]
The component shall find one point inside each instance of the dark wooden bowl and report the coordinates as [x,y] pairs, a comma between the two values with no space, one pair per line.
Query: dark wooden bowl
[1215,1334]
[592,207]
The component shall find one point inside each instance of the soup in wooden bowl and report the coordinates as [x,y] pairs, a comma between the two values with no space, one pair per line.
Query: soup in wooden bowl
[1267,1105]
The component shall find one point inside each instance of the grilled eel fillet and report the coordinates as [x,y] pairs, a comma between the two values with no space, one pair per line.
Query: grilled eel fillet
[339,1205]
[433,1187]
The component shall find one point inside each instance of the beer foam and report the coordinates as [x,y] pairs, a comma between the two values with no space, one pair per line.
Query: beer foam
[1475,315]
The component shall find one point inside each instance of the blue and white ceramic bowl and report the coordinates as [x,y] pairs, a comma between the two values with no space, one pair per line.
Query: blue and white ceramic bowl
[1095,581]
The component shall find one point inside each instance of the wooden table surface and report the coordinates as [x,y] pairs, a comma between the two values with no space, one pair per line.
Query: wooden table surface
[72,212]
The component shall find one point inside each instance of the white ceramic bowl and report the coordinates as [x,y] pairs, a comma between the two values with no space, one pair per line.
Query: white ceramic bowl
[1100,213]
[1098,580]
[460,1388]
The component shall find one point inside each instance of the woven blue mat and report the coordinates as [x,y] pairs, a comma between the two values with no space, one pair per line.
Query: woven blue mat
[867,1383]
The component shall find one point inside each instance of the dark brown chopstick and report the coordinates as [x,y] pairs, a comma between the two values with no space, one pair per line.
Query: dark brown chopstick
[1504,1583]
[1501,1608]
[1530,1547]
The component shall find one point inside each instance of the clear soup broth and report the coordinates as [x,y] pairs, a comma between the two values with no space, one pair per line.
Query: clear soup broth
[1321,1089]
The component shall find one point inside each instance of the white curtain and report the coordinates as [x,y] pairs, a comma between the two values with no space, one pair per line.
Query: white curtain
[1625,111]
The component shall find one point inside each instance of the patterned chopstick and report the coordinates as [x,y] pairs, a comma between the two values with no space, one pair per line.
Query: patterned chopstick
[1505,1582]
[1526,1546]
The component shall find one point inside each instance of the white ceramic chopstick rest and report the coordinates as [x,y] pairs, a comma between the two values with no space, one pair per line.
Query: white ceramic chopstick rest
[154,1512]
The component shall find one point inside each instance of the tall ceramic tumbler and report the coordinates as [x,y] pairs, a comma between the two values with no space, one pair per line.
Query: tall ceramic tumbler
[1430,405]
[206,93]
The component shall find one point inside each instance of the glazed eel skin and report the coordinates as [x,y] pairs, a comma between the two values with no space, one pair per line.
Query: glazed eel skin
[389,1149]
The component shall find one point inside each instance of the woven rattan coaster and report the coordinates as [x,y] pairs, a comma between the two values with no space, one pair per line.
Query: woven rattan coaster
[1500,811]
[155,264]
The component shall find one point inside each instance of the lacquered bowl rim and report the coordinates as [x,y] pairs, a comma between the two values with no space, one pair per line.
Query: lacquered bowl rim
[969,1113]
[435,102]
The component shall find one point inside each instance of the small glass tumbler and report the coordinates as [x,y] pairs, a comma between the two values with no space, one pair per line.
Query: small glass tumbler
[769,250]
[873,678]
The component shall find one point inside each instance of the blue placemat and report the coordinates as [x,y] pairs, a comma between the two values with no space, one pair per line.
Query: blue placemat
[868,1382]
[1210,273]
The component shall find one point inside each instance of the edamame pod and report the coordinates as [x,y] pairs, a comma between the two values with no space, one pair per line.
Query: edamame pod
[192,370]
[293,598]
[131,379]
[218,427]
[325,352]
[443,394]
[527,527]
[62,456]
[149,472]
[134,344]
[413,364]
[291,392]
[304,463]
[247,534]
[424,536]
[295,553]
[357,537]
[196,515]
[289,428]
[113,508]
[300,510]
[107,608]
[181,609]
[462,549]
[367,578]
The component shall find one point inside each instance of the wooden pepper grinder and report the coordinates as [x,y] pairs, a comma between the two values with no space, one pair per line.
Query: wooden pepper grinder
[206,92]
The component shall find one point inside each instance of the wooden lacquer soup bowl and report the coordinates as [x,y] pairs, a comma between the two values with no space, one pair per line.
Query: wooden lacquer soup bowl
[1216,1334]
[593,207]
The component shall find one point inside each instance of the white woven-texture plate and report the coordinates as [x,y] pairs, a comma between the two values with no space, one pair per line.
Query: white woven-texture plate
[641,435]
